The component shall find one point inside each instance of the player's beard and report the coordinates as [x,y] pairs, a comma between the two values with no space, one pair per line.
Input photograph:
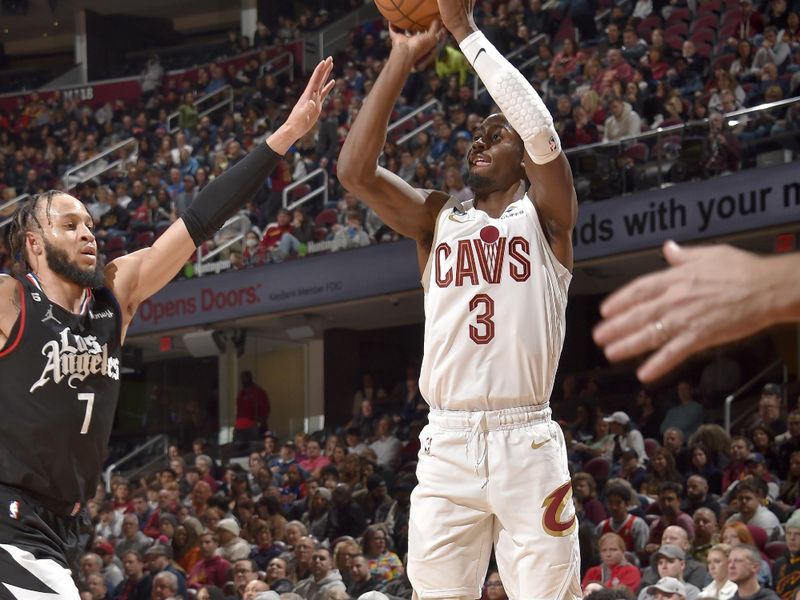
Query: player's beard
[479,183]
[59,263]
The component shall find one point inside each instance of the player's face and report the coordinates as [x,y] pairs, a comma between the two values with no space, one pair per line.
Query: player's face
[69,244]
[496,156]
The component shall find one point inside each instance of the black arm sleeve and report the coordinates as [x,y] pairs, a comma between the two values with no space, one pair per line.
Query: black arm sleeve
[221,198]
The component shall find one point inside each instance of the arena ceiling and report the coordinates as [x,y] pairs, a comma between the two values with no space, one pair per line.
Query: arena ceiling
[23,20]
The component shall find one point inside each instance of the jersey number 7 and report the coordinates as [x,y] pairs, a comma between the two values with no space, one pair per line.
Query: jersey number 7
[87,397]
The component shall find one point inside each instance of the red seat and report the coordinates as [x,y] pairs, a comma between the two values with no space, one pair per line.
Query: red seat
[732,15]
[115,254]
[144,239]
[775,550]
[599,468]
[675,42]
[637,152]
[647,25]
[723,60]
[704,50]
[115,242]
[300,191]
[680,28]
[703,36]
[679,14]
[327,218]
[709,6]
[705,22]
[650,446]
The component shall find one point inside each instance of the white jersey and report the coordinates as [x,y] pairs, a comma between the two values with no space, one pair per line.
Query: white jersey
[495,301]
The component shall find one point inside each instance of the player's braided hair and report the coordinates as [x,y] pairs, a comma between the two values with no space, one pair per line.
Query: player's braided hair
[23,221]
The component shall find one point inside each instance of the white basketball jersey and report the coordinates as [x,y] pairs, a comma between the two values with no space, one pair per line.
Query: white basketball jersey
[495,298]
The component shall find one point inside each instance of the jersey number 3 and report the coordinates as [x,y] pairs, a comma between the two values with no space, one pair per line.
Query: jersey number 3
[87,397]
[483,333]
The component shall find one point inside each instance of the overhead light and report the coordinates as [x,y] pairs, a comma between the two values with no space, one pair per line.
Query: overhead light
[5,30]
[55,23]
[44,34]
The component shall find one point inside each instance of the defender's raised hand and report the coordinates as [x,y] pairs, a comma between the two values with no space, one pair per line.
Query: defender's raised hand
[306,112]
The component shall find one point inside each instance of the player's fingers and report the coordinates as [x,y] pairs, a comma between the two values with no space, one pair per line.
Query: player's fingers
[669,356]
[327,89]
[637,317]
[679,255]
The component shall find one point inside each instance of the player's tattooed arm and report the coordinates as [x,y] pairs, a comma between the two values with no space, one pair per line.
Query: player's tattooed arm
[10,306]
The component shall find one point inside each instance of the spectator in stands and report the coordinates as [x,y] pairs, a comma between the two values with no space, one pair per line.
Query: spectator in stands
[750,496]
[579,130]
[786,569]
[150,79]
[136,585]
[362,579]
[744,563]
[278,243]
[698,496]
[232,546]
[212,569]
[159,560]
[614,570]
[687,415]
[706,533]
[186,545]
[626,437]
[585,494]
[132,538]
[670,562]
[633,530]
[353,235]
[703,466]
[721,587]
[669,502]
[383,563]
[622,123]
[723,154]
[323,580]
[789,493]
[791,443]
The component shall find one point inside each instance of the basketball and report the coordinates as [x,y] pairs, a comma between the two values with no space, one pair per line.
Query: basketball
[410,15]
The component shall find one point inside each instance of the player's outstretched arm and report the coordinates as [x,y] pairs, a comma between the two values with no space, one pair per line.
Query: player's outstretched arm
[408,211]
[710,295]
[141,274]
[547,167]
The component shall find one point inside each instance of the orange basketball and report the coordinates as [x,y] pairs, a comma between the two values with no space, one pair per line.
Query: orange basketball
[411,15]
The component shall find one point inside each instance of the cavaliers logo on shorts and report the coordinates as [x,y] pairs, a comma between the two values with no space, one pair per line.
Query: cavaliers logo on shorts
[554,506]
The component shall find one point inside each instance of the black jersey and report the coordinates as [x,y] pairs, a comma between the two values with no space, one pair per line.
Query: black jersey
[59,385]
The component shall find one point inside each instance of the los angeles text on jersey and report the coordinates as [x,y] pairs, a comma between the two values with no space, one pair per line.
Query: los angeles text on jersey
[75,358]
[469,261]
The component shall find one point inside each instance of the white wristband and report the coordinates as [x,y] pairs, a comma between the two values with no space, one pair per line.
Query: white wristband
[515,96]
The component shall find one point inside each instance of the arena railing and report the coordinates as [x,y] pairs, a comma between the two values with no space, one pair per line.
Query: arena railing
[225,92]
[678,153]
[288,68]
[151,446]
[428,106]
[203,262]
[739,393]
[7,209]
[311,193]
[336,36]
[98,165]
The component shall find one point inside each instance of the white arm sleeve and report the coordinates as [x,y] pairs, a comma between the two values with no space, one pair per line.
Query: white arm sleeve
[515,96]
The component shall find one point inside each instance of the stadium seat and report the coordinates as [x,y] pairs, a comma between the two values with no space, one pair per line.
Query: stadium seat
[679,15]
[599,468]
[647,25]
[300,191]
[723,60]
[115,254]
[680,28]
[114,243]
[675,42]
[732,15]
[143,239]
[705,22]
[711,6]
[327,218]
[703,49]
[774,550]
[650,446]
[703,36]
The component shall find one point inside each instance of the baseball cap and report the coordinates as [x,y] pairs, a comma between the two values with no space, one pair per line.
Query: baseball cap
[669,585]
[464,135]
[794,521]
[667,551]
[159,550]
[375,481]
[618,417]
[229,525]
[771,389]
[373,596]
[106,548]
[756,457]
[269,595]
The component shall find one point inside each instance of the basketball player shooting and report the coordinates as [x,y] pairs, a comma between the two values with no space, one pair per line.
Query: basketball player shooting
[492,468]
[63,319]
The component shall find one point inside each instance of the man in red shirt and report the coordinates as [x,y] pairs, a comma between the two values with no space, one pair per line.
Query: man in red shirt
[252,411]
[210,569]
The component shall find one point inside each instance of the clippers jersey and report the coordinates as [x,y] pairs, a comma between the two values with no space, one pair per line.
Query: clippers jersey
[495,301]
[60,385]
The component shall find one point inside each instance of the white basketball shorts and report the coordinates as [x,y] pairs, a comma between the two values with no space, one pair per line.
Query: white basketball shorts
[493,478]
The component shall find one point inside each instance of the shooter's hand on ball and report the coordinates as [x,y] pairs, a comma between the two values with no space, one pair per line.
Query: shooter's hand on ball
[419,46]
[457,17]
[711,295]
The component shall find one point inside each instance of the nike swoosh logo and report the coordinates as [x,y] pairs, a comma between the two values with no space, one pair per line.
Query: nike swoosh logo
[478,54]
[536,446]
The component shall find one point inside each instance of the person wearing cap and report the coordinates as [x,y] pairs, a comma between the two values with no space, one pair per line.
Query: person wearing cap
[212,569]
[158,559]
[756,466]
[323,580]
[626,437]
[614,570]
[111,570]
[232,546]
[744,563]
[786,569]
[670,561]
[668,588]
[750,494]
[694,572]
